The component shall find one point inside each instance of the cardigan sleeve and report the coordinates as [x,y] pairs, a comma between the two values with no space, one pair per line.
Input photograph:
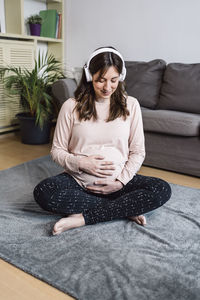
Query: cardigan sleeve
[136,146]
[60,146]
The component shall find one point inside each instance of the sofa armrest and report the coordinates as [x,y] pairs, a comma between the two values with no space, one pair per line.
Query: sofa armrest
[63,89]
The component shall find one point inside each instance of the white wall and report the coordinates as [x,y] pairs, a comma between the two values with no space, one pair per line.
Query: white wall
[140,29]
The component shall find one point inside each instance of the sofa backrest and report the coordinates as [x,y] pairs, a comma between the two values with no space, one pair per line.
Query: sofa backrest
[63,89]
[143,81]
[181,88]
[175,86]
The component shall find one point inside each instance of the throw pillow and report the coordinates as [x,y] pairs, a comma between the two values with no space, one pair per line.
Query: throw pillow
[181,88]
[143,81]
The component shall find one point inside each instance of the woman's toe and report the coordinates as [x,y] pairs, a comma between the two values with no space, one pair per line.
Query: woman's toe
[141,220]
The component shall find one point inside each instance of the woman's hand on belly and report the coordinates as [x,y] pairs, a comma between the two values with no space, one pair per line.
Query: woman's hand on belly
[105,186]
[96,165]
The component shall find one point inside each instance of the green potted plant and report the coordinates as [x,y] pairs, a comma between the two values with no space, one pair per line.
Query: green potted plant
[34,22]
[36,100]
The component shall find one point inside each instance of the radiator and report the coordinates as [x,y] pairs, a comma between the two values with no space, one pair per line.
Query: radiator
[15,53]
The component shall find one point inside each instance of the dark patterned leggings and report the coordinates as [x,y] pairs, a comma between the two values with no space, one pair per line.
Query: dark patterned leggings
[61,194]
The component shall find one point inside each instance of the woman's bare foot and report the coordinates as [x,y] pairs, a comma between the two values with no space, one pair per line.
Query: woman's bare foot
[141,220]
[72,221]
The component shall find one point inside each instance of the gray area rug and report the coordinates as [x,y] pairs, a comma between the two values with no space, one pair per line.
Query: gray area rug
[117,260]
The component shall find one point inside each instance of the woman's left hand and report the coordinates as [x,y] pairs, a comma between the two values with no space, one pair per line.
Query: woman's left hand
[105,186]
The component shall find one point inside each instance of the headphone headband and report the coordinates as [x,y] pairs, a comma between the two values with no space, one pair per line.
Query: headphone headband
[102,50]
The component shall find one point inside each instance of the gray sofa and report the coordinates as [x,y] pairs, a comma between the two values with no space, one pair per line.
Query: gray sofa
[169,95]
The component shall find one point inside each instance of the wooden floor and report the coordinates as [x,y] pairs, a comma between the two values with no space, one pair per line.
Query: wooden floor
[18,285]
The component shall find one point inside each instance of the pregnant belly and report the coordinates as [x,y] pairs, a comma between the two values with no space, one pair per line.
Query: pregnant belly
[109,154]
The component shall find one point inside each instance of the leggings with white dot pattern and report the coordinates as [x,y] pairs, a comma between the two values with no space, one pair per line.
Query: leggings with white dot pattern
[61,194]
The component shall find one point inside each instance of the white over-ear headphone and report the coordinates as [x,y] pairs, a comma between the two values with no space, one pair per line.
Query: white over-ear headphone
[86,67]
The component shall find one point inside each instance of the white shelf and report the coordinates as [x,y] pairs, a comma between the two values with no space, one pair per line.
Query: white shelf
[30,37]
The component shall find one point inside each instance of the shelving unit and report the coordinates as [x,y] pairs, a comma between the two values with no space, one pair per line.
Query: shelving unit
[20,49]
[15,26]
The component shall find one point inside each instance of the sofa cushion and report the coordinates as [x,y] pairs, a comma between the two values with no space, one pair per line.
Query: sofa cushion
[143,81]
[171,122]
[181,88]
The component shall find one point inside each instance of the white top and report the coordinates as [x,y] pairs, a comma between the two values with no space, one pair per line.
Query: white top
[120,141]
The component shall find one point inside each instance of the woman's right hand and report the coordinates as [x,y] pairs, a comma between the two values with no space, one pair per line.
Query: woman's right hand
[96,165]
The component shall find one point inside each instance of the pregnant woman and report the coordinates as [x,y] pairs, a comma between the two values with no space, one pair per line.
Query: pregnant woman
[99,141]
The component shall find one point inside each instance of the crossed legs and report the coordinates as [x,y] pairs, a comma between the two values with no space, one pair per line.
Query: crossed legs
[61,194]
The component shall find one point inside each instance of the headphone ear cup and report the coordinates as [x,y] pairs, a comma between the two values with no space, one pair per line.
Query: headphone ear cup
[87,74]
[122,76]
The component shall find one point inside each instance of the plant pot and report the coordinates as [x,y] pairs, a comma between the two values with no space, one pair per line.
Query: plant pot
[31,133]
[35,29]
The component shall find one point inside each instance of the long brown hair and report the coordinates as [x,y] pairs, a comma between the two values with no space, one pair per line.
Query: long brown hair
[85,94]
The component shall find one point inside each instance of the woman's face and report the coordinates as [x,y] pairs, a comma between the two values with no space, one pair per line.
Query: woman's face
[106,85]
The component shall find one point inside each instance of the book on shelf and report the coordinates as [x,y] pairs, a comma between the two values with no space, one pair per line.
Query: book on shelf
[59,26]
[2,17]
[57,19]
[49,21]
